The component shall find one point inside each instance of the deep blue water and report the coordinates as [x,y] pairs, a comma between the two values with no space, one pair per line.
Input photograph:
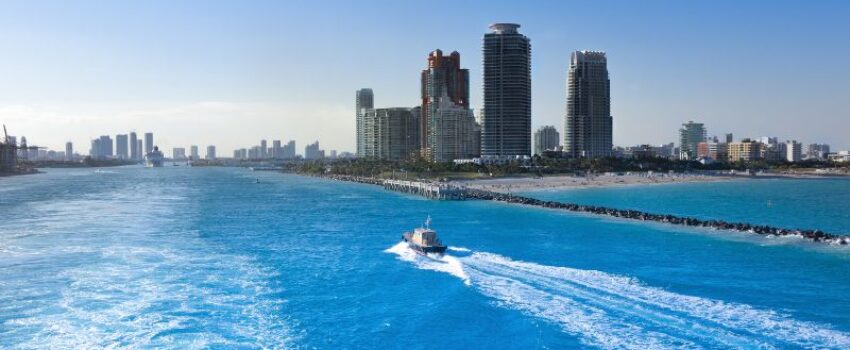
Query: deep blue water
[207,258]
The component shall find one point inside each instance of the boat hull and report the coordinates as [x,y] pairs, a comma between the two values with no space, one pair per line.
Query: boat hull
[435,249]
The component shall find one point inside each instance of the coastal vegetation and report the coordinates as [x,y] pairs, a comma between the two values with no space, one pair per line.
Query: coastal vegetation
[540,166]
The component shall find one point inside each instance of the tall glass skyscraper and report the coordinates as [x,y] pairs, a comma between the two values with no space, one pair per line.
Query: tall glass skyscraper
[148,142]
[506,121]
[588,124]
[134,146]
[364,100]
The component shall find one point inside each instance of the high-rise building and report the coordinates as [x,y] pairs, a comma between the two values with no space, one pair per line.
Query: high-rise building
[506,125]
[452,132]
[793,151]
[588,125]
[546,138]
[193,152]
[442,77]
[390,133]
[178,153]
[730,138]
[134,146]
[276,150]
[139,147]
[713,150]
[121,150]
[106,148]
[211,152]
[94,151]
[148,142]
[690,135]
[264,146]
[364,100]
[312,151]
[289,150]
[69,151]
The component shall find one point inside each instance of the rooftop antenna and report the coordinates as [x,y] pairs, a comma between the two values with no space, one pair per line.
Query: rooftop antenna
[6,138]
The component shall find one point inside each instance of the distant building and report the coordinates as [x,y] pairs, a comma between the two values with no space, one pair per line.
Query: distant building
[690,135]
[289,150]
[121,149]
[390,133]
[210,152]
[588,125]
[793,151]
[546,138]
[506,123]
[744,150]
[364,100]
[840,157]
[817,151]
[773,150]
[69,151]
[134,146]
[193,152]
[178,153]
[277,150]
[106,147]
[148,142]
[139,147]
[240,153]
[712,150]
[312,152]
[730,138]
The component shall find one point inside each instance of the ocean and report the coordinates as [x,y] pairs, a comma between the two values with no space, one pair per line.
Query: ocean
[182,257]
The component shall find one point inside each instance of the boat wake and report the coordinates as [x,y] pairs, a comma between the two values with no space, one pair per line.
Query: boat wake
[610,311]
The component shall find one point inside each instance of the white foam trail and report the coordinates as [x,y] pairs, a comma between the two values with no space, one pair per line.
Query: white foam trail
[611,311]
[446,263]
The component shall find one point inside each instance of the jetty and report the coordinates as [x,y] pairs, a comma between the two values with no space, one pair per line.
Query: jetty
[443,191]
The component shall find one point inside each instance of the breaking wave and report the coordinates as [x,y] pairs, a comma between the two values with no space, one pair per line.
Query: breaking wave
[610,311]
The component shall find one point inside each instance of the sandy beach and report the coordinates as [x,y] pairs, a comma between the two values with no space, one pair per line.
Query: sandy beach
[521,184]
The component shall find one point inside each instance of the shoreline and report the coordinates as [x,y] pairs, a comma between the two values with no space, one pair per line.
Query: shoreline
[568,182]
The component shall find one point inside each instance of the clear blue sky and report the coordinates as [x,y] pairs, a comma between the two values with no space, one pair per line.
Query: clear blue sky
[232,72]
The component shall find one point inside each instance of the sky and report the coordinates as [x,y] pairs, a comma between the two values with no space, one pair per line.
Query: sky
[229,73]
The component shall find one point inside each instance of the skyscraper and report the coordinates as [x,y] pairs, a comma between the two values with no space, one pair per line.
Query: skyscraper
[264,147]
[364,100]
[106,149]
[545,138]
[506,125]
[690,135]
[134,146]
[69,151]
[211,152]
[588,126]
[276,150]
[312,151]
[121,151]
[443,77]
[148,142]
[193,152]
[139,147]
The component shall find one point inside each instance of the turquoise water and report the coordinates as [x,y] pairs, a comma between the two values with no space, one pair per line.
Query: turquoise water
[207,258]
[791,203]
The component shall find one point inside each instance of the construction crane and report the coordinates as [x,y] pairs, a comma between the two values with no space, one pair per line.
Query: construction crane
[9,151]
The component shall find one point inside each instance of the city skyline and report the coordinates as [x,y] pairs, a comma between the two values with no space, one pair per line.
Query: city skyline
[118,74]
